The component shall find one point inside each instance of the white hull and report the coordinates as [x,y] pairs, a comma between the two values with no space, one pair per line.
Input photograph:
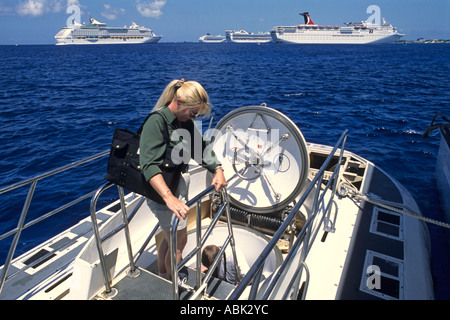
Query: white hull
[251,41]
[332,37]
[74,272]
[212,39]
[443,171]
[62,42]
[243,36]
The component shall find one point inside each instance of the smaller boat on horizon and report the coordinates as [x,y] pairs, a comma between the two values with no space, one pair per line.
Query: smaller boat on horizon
[208,38]
[242,36]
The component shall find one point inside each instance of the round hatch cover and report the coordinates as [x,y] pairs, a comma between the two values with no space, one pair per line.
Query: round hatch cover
[267,152]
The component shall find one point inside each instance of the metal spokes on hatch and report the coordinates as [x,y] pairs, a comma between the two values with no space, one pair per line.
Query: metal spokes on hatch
[268,153]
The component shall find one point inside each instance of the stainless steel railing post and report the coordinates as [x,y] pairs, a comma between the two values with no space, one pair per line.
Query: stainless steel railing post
[231,234]
[106,276]
[173,255]
[199,243]
[12,248]
[200,240]
[132,272]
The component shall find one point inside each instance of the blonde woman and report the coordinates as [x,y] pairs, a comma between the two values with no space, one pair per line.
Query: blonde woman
[180,103]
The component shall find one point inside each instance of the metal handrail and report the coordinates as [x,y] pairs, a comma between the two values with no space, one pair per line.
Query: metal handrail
[133,271]
[201,241]
[98,240]
[304,237]
[53,172]
[109,290]
[173,244]
[21,224]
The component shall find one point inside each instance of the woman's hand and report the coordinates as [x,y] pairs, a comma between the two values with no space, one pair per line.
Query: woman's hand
[177,206]
[219,180]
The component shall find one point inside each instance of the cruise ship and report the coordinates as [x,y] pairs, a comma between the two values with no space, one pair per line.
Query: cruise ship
[351,33]
[208,38]
[98,33]
[242,36]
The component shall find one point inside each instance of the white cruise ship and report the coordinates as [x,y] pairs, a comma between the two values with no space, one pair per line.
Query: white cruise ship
[242,36]
[98,33]
[208,38]
[352,33]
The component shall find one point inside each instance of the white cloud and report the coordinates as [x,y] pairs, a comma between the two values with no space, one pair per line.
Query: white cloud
[31,7]
[150,9]
[39,7]
[111,13]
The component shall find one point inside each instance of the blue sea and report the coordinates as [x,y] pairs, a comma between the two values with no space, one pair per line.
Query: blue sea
[59,105]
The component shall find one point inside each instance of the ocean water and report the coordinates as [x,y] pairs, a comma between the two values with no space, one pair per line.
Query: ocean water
[61,104]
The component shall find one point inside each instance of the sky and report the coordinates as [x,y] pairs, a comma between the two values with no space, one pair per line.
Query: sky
[37,21]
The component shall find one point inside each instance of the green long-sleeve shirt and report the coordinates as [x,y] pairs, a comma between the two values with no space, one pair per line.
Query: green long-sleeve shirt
[153,144]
